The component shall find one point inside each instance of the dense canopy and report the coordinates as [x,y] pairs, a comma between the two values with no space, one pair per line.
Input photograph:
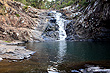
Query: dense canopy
[54,4]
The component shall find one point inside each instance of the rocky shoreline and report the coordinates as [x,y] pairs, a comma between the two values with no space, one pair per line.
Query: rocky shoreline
[14,52]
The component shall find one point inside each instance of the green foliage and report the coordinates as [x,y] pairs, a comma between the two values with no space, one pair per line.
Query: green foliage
[57,4]
[22,1]
[69,3]
[17,15]
[25,8]
[92,2]
[79,7]
[35,3]
[83,3]
[63,3]
[8,41]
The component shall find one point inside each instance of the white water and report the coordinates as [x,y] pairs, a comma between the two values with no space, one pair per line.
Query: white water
[62,44]
[61,54]
[60,21]
[62,51]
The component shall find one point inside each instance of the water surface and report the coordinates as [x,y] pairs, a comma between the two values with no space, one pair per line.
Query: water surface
[72,51]
[65,54]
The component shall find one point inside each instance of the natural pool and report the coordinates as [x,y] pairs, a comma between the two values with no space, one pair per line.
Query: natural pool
[62,56]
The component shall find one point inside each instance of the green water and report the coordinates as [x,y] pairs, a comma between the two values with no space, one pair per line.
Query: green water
[72,51]
[67,55]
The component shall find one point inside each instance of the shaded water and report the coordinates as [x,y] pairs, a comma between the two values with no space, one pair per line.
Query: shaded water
[73,51]
[60,55]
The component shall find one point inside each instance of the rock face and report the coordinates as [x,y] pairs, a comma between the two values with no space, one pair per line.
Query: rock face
[21,22]
[90,23]
[55,29]
[51,31]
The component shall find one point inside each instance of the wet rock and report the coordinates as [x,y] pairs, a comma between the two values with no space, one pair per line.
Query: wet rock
[53,20]
[52,30]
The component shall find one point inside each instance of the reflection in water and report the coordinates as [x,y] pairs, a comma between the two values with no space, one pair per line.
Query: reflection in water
[62,43]
[71,55]
[62,51]
[71,51]
[62,46]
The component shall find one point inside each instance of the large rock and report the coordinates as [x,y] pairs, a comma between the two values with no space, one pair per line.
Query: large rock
[22,22]
[14,52]
[92,24]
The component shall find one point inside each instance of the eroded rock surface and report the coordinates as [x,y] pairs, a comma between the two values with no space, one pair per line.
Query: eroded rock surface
[21,22]
[14,52]
[90,22]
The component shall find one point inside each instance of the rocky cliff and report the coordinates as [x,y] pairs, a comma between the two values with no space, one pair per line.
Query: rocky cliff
[21,22]
[90,22]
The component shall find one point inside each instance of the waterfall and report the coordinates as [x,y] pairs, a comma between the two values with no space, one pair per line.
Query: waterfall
[62,43]
[55,30]
[60,22]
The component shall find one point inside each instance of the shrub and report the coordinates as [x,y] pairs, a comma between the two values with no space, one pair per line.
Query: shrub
[69,3]
[17,15]
[25,8]
[33,4]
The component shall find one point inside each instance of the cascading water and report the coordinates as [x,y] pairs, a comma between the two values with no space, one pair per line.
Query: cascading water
[55,30]
[60,22]
[62,42]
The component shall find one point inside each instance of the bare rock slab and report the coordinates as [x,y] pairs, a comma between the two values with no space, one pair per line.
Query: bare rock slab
[14,52]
